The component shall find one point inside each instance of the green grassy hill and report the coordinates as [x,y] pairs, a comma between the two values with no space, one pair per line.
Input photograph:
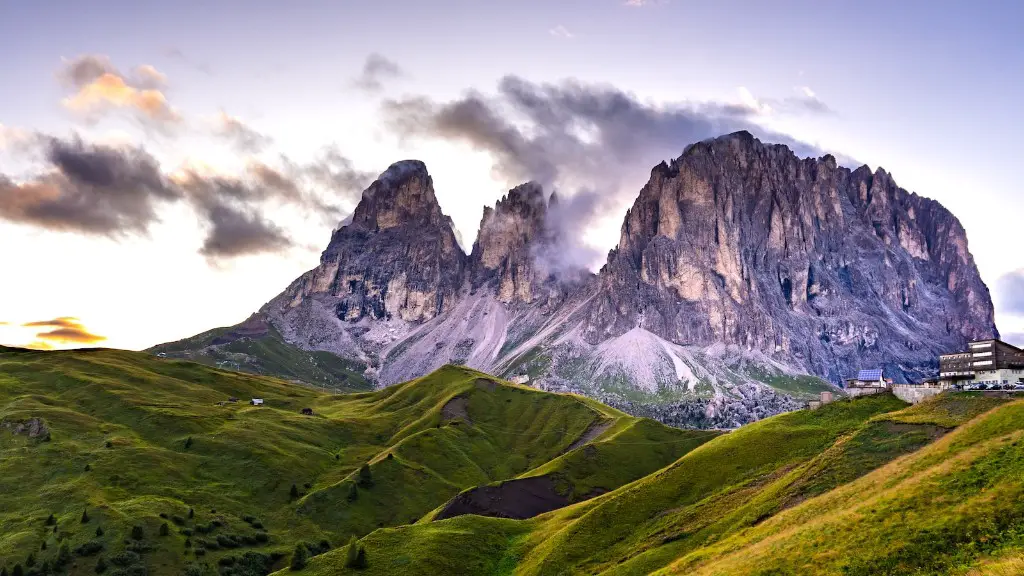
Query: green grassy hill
[862,486]
[142,464]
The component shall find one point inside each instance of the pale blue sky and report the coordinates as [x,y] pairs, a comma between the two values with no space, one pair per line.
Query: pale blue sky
[928,89]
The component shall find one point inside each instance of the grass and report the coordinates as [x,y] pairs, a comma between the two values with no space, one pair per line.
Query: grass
[859,486]
[137,440]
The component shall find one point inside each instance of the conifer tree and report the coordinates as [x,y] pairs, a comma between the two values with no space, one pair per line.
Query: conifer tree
[299,557]
[353,492]
[99,531]
[365,476]
[17,571]
[85,516]
[294,492]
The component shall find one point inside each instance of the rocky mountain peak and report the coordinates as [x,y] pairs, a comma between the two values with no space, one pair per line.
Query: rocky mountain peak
[402,195]
[503,253]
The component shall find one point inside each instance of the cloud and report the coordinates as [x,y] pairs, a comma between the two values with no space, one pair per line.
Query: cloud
[376,70]
[561,32]
[1009,291]
[99,88]
[642,3]
[243,138]
[38,345]
[97,190]
[594,143]
[13,137]
[807,102]
[65,329]
[117,192]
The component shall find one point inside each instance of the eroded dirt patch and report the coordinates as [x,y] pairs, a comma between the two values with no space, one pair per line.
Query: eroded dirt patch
[517,499]
[592,431]
[485,384]
[456,409]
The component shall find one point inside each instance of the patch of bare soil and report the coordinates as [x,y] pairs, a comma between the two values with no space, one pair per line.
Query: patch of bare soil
[517,499]
[456,409]
[592,431]
[485,384]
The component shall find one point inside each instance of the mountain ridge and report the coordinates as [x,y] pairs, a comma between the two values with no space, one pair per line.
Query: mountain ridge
[739,270]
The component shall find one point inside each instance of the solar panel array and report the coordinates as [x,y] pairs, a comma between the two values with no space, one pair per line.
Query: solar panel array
[870,375]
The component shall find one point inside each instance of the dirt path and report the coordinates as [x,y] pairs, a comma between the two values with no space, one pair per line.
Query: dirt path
[593,431]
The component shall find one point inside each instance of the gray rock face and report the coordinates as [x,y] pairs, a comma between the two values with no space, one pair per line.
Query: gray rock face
[739,242]
[397,258]
[740,270]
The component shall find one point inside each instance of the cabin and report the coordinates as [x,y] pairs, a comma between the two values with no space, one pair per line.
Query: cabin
[256,402]
[307,411]
[870,381]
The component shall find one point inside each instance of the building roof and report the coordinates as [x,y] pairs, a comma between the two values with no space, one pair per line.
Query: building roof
[872,374]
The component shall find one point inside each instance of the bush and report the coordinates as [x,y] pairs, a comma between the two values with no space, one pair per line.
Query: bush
[140,547]
[191,513]
[294,492]
[63,555]
[227,541]
[138,533]
[188,443]
[50,521]
[188,542]
[192,570]
[163,515]
[125,558]
[99,531]
[365,476]
[261,537]
[108,444]
[89,548]
[185,531]
[353,493]
[227,560]
[164,529]
[101,565]
[299,557]
[248,519]
[200,552]
[87,467]
[178,520]
[85,516]
[257,525]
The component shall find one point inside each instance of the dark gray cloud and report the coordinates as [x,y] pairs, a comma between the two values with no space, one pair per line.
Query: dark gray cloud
[376,70]
[241,136]
[83,70]
[1009,291]
[594,143]
[117,192]
[89,189]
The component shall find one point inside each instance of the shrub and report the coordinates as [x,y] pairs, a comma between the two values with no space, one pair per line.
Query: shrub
[99,531]
[191,513]
[178,520]
[87,467]
[108,444]
[353,493]
[185,531]
[248,519]
[294,492]
[227,541]
[188,542]
[89,548]
[50,521]
[227,560]
[140,547]
[200,552]
[43,545]
[192,570]
[215,524]
[299,557]
[45,568]
[138,533]
[262,537]
[365,476]
[17,571]
[163,515]
[126,558]
[85,516]
[257,525]
[164,529]
[63,555]
[31,560]
[188,443]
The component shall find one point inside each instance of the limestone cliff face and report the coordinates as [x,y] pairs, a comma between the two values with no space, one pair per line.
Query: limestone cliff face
[740,242]
[398,257]
[503,254]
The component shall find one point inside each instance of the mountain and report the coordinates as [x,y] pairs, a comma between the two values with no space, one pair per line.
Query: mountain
[95,443]
[745,280]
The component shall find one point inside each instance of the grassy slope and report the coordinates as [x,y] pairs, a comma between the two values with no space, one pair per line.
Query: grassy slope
[771,498]
[269,355]
[127,417]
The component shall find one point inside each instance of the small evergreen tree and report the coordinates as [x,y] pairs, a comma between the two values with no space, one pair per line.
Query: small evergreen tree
[43,545]
[191,513]
[137,533]
[50,521]
[87,467]
[164,529]
[64,554]
[365,476]
[31,560]
[99,531]
[299,557]
[101,565]
[355,555]
[188,443]
[353,492]
[294,492]
[85,516]
[17,571]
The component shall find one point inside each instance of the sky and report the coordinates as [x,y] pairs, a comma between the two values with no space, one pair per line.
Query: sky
[167,168]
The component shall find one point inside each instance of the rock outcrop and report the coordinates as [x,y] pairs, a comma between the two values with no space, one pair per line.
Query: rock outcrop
[740,270]
[739,242]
